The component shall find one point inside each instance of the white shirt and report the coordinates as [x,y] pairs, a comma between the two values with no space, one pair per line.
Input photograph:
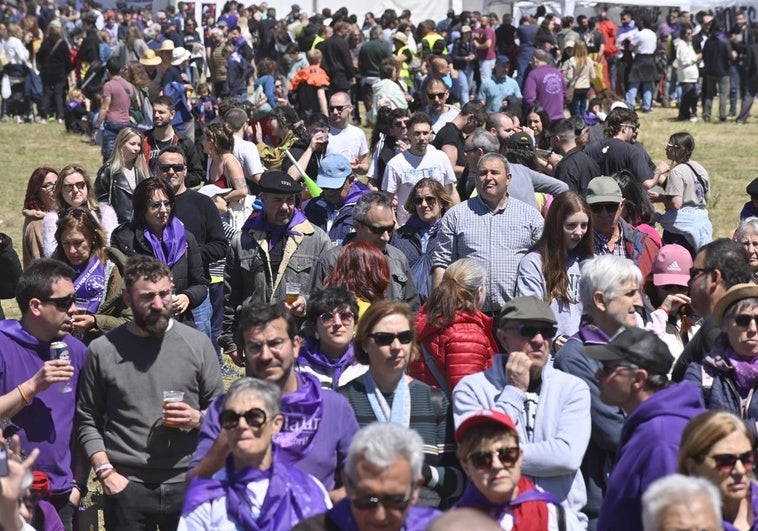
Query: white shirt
[405,169]
[440,121]
[349,142]
[247,153]
[645,42]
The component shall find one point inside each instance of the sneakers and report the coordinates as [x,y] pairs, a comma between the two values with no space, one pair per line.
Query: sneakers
[693,119]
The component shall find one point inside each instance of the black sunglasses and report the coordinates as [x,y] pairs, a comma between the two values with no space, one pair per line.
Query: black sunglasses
[430,200]
[62,303]
[327,318]
[435,95]
[400,123]
[255,418]
[379,230]
[728,461]
[392,502]
[744,319]
[385,339]
[81,185]
[610,208]
[483,460]
[176,167]
[529,331]
[338,108]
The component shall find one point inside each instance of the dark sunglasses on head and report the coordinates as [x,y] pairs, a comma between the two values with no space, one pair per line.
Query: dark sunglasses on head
[483,460]
[392,502]
[255,418]
[62,303]
[81,185]
[385,339]
[529,331]
[176,167]
[609,208]
[430,200]
[728,461]
[327,318]
[744,319]
[435,95]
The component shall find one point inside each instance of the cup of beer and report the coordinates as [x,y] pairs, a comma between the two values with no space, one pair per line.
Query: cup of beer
[293,291]
[168,397]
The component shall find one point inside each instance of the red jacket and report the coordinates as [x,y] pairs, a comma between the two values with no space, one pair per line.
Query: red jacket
[464,347]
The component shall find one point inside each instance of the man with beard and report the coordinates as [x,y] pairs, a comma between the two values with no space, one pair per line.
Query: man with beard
[138,439]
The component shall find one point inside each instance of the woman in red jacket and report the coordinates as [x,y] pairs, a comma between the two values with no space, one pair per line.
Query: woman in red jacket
[454,335]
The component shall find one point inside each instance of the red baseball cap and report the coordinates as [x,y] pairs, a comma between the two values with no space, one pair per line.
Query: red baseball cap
[483,416]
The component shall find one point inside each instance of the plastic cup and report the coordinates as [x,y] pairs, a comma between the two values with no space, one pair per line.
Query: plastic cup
[293,291]
[169,397]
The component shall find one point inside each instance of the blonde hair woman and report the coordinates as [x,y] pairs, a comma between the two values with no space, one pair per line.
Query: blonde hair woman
[578,71]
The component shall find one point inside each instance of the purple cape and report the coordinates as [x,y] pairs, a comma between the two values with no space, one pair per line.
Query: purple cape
[473,498]
[174,240]
[257,221]
[311,356]
[302,411]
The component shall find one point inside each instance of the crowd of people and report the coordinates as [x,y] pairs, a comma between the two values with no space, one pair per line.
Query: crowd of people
[474,314]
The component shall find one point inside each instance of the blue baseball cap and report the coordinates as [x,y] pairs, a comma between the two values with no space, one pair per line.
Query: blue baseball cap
[333,171]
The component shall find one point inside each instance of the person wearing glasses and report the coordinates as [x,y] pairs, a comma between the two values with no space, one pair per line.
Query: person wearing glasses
[551,409]
[718,446]
[434,95]
[385,341]
[491,452]
[257,488]
[374,223]
[632,376]
[687,73]
[383,473]
[327,350]
[38,201]
[156,231]
[344,138]
[30,391]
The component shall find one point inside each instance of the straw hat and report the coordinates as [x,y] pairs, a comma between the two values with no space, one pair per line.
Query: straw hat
[149,58]
[166,46]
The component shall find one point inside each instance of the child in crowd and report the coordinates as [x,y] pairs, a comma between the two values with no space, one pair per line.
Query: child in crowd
[205,106]
[76,113]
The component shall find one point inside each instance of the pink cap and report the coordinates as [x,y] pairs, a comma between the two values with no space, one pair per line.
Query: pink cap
[672,266]
[483,416]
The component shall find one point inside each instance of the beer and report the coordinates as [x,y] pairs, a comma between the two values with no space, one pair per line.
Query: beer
[169,397]
[293,292]
[59,351]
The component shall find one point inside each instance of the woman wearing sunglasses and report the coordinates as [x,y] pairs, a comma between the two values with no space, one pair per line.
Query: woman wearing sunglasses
[718,446]
[728,374]
[256,489]
[98,283]
[426,204]
[385,342]
[327,351]
[490,455]
[156,231]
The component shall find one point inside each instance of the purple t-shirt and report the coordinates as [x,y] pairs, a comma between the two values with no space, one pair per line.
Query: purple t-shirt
[481,35]
[48,421]
[330,443]
[545,85]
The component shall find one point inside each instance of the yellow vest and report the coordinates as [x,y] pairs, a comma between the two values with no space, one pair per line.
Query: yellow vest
[316,41]
[431,39]
[404,74]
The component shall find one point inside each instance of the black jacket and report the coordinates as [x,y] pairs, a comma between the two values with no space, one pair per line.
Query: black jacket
[201,218]
[53,66]
[11,268]
[114,190]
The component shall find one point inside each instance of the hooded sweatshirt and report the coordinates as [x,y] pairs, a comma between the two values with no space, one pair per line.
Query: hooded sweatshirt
[647,451]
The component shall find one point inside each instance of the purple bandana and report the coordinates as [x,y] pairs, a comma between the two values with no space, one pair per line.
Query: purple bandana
[472,497]
[90,284]
[745,372]
[302,412]
[311,356]
[174,241]
[257,221]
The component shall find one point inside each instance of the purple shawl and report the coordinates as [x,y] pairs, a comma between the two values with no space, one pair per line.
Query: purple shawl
[257,221]
[90,284]
[291,496]
[417,519]
[174,241]
[302,412]
[475,499]
[311,356]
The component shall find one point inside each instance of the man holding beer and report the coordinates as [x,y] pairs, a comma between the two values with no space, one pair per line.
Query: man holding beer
[276,249]
[142,396]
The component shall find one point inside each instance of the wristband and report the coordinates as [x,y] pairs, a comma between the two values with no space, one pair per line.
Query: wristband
[105,475]
[26,399]
[102,468]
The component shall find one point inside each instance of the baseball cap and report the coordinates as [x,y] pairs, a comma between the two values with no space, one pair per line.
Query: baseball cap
[527,309]
[732,295]
[333,171]
[211,190]
[603,189]
[672,266]
[752,188]
[637,346]
[295,7]
[278,182]
[502,59]
[483,416]
[520,141]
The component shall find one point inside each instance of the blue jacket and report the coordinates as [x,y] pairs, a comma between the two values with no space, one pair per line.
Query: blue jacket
[337,222]
[647,451]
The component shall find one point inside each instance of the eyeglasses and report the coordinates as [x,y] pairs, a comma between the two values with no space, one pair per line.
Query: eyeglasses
[608,208]
[327,318]
[529,331]
[391,502]
[671,146]
[483,460]
[338,108]
[431,201]
[379,230]
[48,186]
[697,271]
[633,127]
[275,345]
[726,462]
[606,369]
[176,167]
[400,123]
[255,418]
[81,185]
[385,339]
[62,303]
[157,205]
[745,319]
[436,95]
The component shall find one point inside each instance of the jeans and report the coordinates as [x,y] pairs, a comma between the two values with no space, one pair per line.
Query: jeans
[216,293]
[712,84]
[735,88]
[110,132]
[612,71]
[469,73]
[144,507]
[747,104]
[647,95]
[202,316]
[579,103]
[64,509]
[464,96]
[485,67]
[523,66]
[53,95]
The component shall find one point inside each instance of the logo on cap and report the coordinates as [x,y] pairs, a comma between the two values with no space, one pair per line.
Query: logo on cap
[674,266]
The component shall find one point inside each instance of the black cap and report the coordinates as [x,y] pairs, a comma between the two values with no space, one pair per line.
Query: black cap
[278,182]
[520,141]
[637,346]
[752,188]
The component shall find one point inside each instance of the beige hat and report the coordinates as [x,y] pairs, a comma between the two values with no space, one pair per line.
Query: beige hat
[179,55]
[733,294]
[465,29]
[149,58]
[166,46]
[401,37]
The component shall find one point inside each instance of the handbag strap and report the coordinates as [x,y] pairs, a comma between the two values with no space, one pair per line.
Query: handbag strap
[58,43]
[435,370]
[702,182]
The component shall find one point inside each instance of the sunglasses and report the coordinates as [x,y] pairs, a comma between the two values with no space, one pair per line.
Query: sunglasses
[483,460]
[392,502]
[436,95]
[81,185]
[608,208]
[633,127]
[606,369]
[62,303]
[431,201]
[379,230]
[156,205]
[726,462]
[697,271]
[255,418]
[338,108]
[327,318]
[385,339]
[176,167]
[745,319]
[529,331]
[400,123]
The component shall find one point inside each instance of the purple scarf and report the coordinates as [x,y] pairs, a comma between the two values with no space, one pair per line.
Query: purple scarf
[417,519]
[302,410]
[90,284]
[257,221]
[472,497]
[311,356]
[174,240]
[745,372]
[290,496]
